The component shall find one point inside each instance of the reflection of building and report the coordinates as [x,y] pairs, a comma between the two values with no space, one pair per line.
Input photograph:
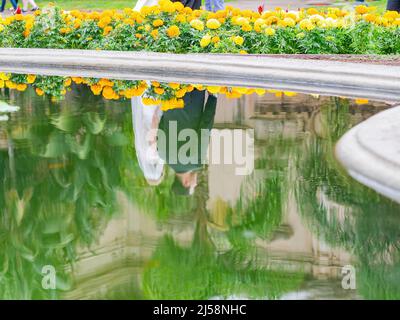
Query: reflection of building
[291,117]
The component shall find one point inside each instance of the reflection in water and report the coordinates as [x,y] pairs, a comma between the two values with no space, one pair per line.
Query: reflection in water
[74,196]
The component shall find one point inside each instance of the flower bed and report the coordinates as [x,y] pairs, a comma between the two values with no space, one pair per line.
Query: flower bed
[169,27]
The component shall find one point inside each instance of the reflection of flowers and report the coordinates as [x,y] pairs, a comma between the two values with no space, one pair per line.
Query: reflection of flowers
[168,95]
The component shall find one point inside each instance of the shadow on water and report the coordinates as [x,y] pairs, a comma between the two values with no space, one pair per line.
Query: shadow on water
[74,196]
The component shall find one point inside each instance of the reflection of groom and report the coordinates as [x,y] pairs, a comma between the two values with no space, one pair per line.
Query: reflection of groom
[185,139]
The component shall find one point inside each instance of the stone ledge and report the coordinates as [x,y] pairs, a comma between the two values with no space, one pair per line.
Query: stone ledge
[371,153]
[372,81]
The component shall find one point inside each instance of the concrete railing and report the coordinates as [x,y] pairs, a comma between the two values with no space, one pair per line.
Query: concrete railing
[371,152]
[372,81]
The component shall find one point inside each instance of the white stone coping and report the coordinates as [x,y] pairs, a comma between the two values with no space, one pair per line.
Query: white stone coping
[371,152]
[371,81]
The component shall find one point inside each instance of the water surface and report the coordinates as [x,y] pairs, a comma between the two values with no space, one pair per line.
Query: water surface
[73,196]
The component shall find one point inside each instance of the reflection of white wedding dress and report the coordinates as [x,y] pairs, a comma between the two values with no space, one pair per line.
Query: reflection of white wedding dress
[142,3]
[145,124]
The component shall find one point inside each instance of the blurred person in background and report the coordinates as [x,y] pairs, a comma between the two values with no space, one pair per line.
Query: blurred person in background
[14,3]
[393,5]
[25,4]
[214,5]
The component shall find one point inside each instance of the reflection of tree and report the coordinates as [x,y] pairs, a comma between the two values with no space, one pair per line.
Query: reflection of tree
[202,270]
[66,168]
[347,214]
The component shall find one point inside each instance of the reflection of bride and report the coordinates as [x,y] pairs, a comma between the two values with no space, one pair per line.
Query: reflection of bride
[145,121]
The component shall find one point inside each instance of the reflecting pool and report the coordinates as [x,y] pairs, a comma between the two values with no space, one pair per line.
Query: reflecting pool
[75,201]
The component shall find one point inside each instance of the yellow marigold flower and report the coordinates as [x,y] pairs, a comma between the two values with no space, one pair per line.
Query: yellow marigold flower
[108,93]
[187,10]
[138,35]
[370,17]
[10,84]
[306,24]
[205,41]
[67,82]
[96,89]
[107,30]
[312,11]
[390,15]
[213,89]
[271,20]
[197,24]
[172,104]
[174,85]
[139,90]
[238,40]
[173,31]
[269,31]
[103,82]
[361,101]
[289,22]
[241,90]
[150,101]
[4,76]
[145,10]
[259,22]
[233,94]
[243,52]
[289,93]
[77,80]
[240,21]
[2,84]
[77,23]
[154,33]
[361,9]
[18,17]
[155,84]
[39,91]
[180,93]
[246,28]
[129,21]
[158,23]
[180,18]
[159,90]
[178,6]
[31,78]
[64,30]
[215,39]
[260,91]
[21,86]
[213,24]
[139,19]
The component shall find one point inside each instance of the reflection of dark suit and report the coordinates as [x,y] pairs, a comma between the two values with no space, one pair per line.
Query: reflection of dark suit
[196,116]
[194,4]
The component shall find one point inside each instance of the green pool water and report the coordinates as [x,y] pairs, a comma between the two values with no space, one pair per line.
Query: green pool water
[73,197]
